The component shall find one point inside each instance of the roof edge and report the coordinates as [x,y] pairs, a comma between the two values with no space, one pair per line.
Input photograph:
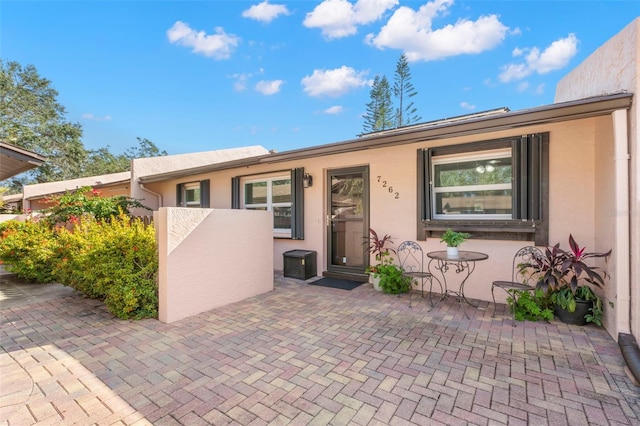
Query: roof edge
[441,129]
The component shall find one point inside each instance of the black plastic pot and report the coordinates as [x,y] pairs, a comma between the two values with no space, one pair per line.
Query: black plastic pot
[576,317]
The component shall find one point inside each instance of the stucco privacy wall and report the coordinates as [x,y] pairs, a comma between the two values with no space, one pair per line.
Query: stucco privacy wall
[210,258]
[614,67]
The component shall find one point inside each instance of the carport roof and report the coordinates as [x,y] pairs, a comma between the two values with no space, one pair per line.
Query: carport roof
[15,160]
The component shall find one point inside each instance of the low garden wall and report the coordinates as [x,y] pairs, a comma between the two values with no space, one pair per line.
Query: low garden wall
[210,258]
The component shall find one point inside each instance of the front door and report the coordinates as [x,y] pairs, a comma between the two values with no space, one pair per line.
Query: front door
[348,220]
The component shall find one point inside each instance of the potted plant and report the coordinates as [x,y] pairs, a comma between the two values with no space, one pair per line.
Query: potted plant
[453,240]
[560,273]
[382,254]
[392,280]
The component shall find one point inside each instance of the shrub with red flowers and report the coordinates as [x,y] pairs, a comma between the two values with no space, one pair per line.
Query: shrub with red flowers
[101,251]
[72,206]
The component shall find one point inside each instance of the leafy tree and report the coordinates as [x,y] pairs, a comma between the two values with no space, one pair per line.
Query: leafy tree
[32,118]
[403,90]
[379,115]
[145,149]
[102,161]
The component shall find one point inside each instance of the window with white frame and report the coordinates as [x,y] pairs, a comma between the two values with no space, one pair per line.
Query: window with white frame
[494,189]
[474,185]
[271,194]
[281,192]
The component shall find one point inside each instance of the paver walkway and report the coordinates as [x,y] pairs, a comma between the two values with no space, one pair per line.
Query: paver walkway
[307,355]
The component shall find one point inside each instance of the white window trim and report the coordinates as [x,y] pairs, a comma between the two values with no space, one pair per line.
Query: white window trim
[269,205]
[462,157]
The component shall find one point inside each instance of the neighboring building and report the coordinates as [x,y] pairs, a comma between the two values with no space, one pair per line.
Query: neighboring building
[35,196]
[571,167]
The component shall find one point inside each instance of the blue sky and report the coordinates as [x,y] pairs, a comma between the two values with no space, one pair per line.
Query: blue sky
[205,75]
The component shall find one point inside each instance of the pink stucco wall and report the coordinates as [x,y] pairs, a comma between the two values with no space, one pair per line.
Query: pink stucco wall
[210,258]
[615,67]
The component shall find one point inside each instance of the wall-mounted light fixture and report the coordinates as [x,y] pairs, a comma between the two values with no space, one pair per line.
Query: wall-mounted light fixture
[307,180]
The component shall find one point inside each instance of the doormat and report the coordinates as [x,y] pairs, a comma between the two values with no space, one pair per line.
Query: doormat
[336,283]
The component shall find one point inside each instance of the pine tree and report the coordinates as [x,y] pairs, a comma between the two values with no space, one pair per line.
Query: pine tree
[403,90]
[379,115]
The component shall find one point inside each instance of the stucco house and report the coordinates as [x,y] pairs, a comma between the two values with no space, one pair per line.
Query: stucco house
[574,163]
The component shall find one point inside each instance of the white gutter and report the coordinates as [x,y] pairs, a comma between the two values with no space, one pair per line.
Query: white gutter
[622,214]
[151,192]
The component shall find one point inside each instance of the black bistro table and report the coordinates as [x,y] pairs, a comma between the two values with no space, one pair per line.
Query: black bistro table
[463,265]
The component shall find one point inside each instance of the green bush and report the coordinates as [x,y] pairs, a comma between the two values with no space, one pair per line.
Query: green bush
[27,249]
[112,259]
[116,261]
[532,307]
[391,279]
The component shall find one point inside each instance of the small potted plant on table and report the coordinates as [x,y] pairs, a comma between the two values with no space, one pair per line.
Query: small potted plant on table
[453,240]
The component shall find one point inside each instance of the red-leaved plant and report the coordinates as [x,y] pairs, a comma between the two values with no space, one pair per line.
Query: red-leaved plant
[378,246]
[559,268]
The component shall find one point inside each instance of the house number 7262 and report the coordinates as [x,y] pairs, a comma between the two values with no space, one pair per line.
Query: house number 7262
[396,194]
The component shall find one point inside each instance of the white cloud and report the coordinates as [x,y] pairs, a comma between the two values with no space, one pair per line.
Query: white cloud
[265,12]
[412,31]
[540,89]
[467,105]
[240,85]
[554,57]
[218,46]
[340,18]
[336,109]
[89,116]
[523,86]
[269,87]
[335,82]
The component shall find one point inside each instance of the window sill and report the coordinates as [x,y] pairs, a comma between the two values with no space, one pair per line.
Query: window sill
[516,230]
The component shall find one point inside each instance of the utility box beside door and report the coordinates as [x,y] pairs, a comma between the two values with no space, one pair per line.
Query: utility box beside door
[300,264]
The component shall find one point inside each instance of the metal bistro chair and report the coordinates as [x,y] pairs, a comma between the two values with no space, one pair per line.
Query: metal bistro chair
[519,279]
[411,258]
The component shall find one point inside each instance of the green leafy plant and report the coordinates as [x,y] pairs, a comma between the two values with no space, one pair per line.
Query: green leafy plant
[531,306]
[453,238]
[567,299]
[391,279]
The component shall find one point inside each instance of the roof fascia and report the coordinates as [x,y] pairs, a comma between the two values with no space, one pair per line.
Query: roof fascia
[572,110]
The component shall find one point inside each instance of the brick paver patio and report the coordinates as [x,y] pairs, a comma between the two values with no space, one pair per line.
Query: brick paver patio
[303,355]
